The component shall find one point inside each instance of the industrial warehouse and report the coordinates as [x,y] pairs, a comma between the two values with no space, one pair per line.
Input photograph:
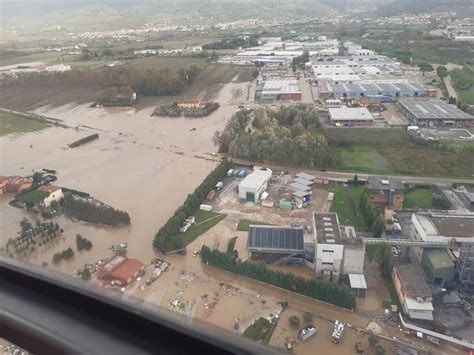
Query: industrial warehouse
[387,91]
[350,116]
[285,90]
[435,113]
[331,250]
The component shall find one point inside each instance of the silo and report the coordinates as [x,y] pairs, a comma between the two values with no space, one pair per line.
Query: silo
[327,275]
[335,276]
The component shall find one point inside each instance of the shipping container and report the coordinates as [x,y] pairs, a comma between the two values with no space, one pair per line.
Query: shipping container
[285,205]
[211,195]
[205,207]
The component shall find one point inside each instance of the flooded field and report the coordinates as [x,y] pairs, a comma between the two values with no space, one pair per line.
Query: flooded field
[141,164]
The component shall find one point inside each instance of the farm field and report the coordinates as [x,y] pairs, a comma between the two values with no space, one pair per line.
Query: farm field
[364,159]
[205,87]
[13,124]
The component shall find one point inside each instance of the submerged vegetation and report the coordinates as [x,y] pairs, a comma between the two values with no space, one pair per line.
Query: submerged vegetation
[92,211]
[168,237]
[317,289]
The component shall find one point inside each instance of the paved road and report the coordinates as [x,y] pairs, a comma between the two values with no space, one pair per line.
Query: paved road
[339,175]
[449,86]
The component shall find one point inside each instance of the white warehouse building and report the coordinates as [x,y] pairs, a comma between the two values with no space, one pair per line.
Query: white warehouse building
[254,184]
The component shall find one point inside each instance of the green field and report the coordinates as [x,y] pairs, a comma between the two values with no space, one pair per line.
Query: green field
[13,124]
[371,250]
[464,82]
[364,159]
[418,197]
[261,330]
[342,204]
[400,160]
[34,196]
[204,221]
[245,223]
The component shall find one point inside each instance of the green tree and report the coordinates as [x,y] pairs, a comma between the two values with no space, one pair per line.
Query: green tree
[355,180]
[255,74]
[442,71]
[378,226]
[37,178]
[308,317]
[294,321]
[86,274]
[379,350]
[384,258]
[373,340]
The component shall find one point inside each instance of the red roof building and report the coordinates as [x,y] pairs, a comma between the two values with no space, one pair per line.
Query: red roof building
[121,270]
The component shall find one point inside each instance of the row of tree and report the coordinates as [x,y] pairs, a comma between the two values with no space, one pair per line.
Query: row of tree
[233,43]
[288,135]
[168,236]
[317,289]
[372,216]
[93,212]
[174,110]
[64,255]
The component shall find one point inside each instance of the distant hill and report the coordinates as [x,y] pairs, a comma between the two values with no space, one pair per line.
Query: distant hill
[115,13]
[398,7]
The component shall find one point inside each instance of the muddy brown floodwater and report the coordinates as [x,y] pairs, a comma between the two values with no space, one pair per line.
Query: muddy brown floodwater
[142,164]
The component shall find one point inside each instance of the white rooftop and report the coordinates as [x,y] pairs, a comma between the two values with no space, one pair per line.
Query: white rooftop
[349,113]
[283,86]
[256,179]
[357,281]
[414,305]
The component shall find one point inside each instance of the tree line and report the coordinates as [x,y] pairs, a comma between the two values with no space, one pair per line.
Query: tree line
[372,216]
[144,81]
[289,135]
[83,243]
[66,254]
[94,212]
[168,236]
[317,289]
[233,43]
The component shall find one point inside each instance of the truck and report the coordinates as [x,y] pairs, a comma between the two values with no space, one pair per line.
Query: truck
[306,332]
[219,185]
[337,332]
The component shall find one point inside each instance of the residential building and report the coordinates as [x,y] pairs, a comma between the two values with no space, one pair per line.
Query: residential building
[465,266]
[337,250]
[254,184]
[350,116]
[437,265]
[413,292]
[386,192]
[55,194]
[434,113]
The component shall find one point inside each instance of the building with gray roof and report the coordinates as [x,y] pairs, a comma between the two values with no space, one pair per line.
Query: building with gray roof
[350,116]
[368,89]
[434,113]
[275,239]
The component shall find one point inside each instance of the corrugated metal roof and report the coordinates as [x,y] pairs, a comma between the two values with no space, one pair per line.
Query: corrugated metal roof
[256,179]
[434,110]
[349,113]
[303,181]
[305,175]
[300,187]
